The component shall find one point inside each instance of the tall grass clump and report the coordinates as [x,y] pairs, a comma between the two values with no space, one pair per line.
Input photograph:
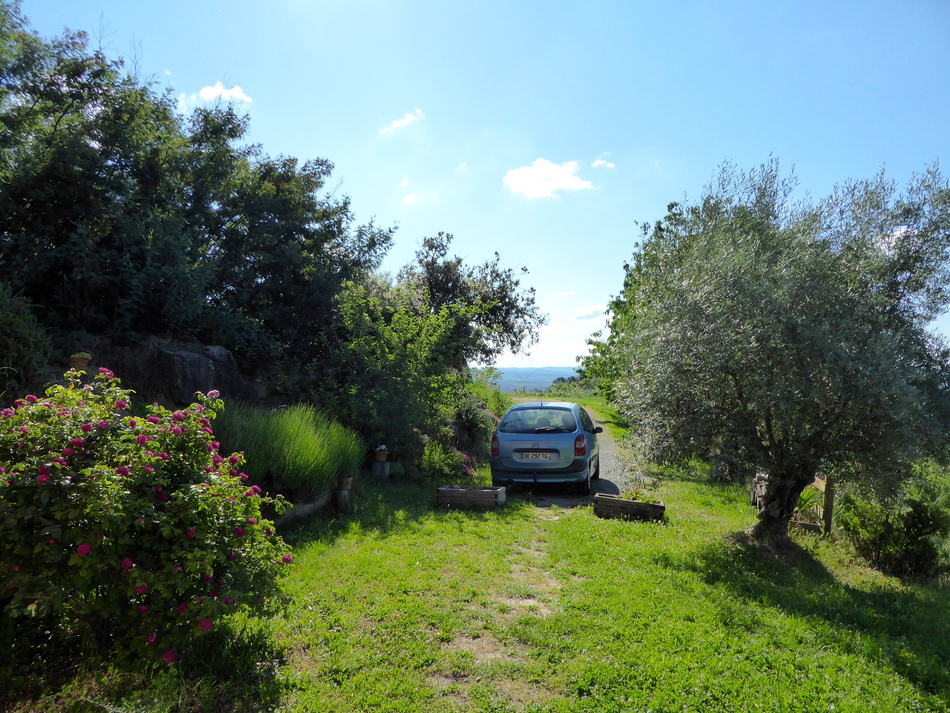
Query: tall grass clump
[297,451]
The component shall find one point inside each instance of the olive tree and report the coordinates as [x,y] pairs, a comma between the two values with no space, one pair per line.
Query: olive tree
[772,336]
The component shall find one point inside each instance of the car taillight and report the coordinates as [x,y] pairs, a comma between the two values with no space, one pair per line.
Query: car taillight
[494,445]
[580,446]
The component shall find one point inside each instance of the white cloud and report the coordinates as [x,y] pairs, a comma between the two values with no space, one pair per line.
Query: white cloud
[411,199]
[588,313]
[601,163]
[207,94]
[404,121]
[542,178]
[404,183]
[218,91]
[168,73]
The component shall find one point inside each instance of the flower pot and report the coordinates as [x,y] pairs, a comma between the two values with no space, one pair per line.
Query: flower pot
[344,483]
[612,506]
[78,364]
[381,456]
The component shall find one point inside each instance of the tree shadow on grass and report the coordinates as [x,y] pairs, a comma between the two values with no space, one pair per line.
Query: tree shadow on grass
[387,507]
[906,628]
[233,668]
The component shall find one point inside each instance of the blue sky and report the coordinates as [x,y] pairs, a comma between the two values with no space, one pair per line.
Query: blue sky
[545,130]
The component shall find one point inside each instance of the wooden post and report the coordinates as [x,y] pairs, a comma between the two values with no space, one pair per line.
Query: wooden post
[828,505]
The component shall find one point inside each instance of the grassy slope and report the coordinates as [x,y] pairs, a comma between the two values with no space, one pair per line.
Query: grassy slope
[406,608]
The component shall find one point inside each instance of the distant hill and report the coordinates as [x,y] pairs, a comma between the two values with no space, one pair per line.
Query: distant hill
[532,378]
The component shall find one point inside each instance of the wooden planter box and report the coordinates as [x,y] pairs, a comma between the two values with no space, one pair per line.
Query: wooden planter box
[608,506]
[470,497]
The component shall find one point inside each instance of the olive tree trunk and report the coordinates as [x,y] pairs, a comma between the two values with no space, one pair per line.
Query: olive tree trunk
[775,497]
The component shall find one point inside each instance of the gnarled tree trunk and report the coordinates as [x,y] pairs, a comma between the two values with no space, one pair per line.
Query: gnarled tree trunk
[775,496]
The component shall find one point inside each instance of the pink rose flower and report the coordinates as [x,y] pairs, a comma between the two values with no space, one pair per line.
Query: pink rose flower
[84,549]
[76,441]
[31,399]
[213,394]
[141,439]
[229,601]
[287,559]
[169,656]
[191,533]
[153,419]
[122,471]
[142,588]
[182,607]
[86,427]
[120,404]
[205,625]
[239,532]
[178,416]
[67,451]
[42,478]
[142,609]
[151,639]
[127,563]
[104,425]
[176,430]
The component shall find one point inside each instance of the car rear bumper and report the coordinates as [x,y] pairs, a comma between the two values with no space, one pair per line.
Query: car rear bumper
[577,471]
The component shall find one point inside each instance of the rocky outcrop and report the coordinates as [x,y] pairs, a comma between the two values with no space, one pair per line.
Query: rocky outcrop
[170,372]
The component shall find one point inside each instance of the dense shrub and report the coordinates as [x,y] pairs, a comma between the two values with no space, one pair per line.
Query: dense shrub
[123,533]
[297,450]
[24,345]
[901,540]
[440,461]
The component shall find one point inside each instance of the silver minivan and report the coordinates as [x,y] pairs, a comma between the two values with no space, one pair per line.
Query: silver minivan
[546,442]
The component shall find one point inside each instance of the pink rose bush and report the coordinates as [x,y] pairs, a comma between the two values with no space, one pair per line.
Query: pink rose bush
[136,527]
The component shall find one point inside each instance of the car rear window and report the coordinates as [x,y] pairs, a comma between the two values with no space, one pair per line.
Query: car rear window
[538,420]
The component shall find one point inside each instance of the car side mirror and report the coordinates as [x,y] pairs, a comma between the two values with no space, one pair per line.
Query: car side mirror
[598,429]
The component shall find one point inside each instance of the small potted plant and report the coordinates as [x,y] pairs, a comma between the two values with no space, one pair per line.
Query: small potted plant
[79,360]
[381,454]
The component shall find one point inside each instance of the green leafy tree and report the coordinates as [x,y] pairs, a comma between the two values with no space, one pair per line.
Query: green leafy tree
[91,185]
[404,372]
[788,338]
[498,315]
[120,216]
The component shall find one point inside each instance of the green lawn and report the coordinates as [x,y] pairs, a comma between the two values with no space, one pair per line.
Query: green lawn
[400,606]
[408,608]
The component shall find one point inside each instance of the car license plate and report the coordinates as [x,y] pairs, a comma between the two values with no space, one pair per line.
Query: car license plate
[534,456]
